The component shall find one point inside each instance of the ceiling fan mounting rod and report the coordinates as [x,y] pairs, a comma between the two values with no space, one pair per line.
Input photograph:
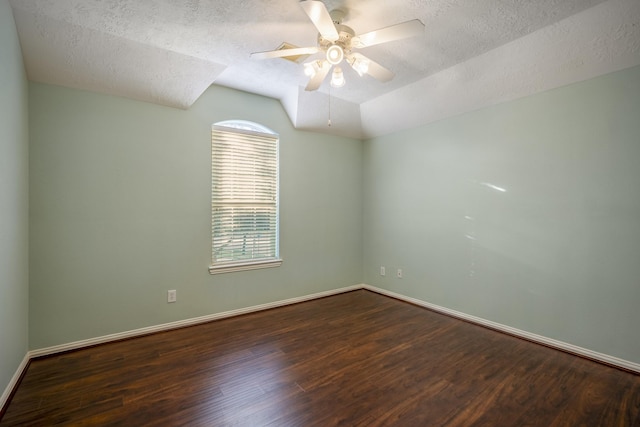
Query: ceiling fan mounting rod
[337,16]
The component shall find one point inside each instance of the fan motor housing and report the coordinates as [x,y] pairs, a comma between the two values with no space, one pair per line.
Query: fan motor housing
[345,33]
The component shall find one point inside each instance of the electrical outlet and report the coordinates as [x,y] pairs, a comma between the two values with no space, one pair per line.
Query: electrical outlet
[399,273]
[172,296]
[382,271]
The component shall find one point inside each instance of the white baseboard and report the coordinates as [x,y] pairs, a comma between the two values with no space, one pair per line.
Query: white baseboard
[156,328]
[183,323]
[549,342]
[13,383]
[570,348]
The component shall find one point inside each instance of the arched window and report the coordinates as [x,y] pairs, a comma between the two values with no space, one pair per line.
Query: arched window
[244,197]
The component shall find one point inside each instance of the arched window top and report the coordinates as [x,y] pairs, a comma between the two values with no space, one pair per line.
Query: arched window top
[246,126]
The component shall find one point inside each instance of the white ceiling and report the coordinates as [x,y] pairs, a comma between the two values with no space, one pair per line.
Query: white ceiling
[473,53]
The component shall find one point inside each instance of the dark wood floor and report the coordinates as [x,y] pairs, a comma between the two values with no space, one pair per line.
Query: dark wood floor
[356,359]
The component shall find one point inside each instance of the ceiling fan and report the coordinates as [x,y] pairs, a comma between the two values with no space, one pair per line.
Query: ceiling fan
[337,42]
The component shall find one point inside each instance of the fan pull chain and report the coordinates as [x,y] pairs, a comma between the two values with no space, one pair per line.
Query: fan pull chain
[329,121]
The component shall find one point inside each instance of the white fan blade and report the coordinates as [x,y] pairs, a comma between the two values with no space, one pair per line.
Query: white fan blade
[387,34]
[374,69]
[285,52]
[379,72]
[318,77]
[319,15]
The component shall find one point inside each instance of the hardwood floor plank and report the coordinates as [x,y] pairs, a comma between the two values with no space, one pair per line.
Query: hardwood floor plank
[355,359]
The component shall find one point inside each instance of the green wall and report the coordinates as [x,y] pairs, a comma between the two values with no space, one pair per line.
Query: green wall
[120,212]
[14,211]
[525,214]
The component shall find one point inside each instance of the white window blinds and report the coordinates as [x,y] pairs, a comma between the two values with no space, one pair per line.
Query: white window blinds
[244,200]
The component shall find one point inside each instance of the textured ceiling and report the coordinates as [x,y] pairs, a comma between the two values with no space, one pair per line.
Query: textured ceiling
[473,53]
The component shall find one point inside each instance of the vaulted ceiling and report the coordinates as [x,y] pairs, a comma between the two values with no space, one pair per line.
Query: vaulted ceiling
[473,53]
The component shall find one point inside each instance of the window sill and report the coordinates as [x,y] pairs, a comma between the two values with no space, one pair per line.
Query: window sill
[244,266]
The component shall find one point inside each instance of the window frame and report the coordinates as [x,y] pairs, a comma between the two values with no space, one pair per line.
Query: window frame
[244,128]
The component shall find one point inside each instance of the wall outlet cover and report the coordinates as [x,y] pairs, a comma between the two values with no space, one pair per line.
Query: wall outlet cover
[172,296]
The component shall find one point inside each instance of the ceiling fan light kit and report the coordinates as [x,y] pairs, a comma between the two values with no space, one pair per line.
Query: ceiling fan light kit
[337,42]
[335,54]
[311,68]
[337,78]
[360,65]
